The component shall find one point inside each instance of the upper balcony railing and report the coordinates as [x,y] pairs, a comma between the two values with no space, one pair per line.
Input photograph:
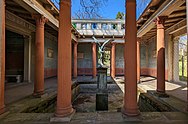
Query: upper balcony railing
[100,27]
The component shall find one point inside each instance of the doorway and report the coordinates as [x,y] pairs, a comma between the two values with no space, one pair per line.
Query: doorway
[14,60]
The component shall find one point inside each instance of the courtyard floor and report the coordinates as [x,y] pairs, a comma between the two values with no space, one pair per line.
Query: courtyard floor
[176,90]
[17,94]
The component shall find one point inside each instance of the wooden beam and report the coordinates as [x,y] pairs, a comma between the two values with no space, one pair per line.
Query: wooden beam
[16,9]
[152,9]
[164,10]
[35,7]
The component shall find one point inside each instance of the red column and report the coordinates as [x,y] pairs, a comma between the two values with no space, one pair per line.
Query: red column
[75,60]
[138,60]
[113,60]
[130,107]
[64,105]
[94,56]
[39,55]
[187,49]
[160,54]
[2,61]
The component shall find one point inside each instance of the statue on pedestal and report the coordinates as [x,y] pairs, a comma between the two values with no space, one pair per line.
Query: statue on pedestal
[102,94]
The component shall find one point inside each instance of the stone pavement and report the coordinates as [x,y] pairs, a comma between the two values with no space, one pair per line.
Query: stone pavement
[100,118]
[15,93]
[178,90]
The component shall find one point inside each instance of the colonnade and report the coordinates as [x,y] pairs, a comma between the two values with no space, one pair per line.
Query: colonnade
[132,59]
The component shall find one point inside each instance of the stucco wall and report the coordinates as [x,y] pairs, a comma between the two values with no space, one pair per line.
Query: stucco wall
[50,64]
[143,55]
[149,58]
[84,59]
[170,34]
[119,59]
[85,63]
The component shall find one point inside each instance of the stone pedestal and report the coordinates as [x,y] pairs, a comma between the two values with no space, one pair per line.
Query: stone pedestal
[102,94]
[102,101]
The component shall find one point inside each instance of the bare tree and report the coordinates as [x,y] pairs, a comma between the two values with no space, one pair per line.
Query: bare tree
[90,9]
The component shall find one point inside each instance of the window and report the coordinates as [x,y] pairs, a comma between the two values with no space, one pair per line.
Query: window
[104,26]
[84,26]
[94,26]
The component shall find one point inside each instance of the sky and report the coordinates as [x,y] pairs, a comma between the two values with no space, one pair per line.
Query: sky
[112,7]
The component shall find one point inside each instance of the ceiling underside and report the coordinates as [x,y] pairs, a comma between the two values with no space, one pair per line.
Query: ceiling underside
[176,16]
[18,10]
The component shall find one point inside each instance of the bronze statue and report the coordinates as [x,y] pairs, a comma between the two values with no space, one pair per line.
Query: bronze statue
[101,50]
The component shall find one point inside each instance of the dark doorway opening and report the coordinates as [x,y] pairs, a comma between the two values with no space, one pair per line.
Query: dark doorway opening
[14,60]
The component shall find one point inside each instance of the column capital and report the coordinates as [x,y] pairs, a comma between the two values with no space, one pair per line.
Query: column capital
[138,39]
[113,43]
[4,3]
[65,2]
[75,43]
[160,21]
[40,19]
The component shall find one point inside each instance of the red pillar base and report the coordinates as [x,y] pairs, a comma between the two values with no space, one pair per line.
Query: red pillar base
[130,112]
[64,112]
[94,77]
[160,94]
[38,94]
[160,91]
[66,118]
[2,110]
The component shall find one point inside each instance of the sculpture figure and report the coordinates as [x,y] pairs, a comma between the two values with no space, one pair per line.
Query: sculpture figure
[101,50]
